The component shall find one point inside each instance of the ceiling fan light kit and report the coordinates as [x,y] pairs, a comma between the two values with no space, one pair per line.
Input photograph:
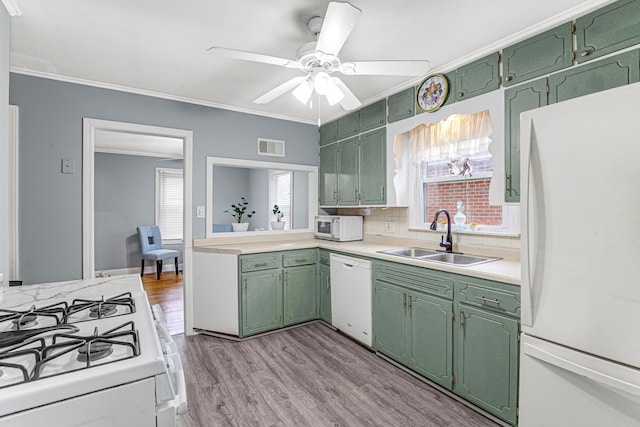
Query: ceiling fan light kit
[320,59]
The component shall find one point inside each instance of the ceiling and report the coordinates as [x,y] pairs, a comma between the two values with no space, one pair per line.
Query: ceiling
[159,47]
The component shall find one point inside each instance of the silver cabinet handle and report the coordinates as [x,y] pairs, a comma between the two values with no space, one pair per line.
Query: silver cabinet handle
[382,191]
[584,53]
[509,78]
[409,301]
[461,319]
[328,284]
[404,299]
[494,301]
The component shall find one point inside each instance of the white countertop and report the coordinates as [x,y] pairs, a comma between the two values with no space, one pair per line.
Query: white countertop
[503,270]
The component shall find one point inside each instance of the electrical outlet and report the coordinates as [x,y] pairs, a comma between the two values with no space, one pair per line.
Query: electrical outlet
[390,227]
[68,166]
[200,212]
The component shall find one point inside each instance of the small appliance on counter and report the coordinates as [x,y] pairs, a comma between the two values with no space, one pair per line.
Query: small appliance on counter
[340,228]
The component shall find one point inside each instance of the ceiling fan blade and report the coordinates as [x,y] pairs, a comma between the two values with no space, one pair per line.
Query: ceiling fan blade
[338,23]
[280,90]
[250,56]
[349,102]
[385,68]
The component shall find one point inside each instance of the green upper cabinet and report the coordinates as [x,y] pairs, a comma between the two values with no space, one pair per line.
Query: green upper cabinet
[486,365]
[600,75]
[324,292]
[478,77]
[328,133]
[348,171]
[373,116]
[348,125]
[402,105]
[328,175]
[608,29]
[299,294]
[261,301]
[517,100]
[373,159]
[542,54]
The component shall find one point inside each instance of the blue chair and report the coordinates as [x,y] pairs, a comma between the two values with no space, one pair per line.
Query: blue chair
[222,228]
[151,248]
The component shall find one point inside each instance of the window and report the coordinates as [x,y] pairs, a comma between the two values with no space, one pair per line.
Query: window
[280,190]
[442,163]
[169,203]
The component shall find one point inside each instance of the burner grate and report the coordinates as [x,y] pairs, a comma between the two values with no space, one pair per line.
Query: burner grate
[54,314]
[101,308]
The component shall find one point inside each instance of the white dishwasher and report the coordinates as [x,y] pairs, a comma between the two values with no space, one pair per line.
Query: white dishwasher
[351,296]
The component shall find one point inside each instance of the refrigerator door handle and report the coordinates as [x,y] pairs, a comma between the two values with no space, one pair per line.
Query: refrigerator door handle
[578,369]
[526,135]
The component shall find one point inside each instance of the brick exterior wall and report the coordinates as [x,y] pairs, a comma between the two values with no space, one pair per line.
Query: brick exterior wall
[475,201]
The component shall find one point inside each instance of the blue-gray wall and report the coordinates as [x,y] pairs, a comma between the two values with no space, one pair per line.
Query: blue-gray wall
[5,32]
[51,114]
[125,194]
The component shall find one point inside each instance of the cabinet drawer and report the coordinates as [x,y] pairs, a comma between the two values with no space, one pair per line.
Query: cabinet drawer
[324,257]
[496,296]
[260,262]
[417,278]
[303,257]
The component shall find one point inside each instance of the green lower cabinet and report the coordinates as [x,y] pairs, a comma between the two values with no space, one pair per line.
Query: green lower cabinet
[486,361]
[390,321]
[261,301]
[324,292]
[431,337]
[299,294]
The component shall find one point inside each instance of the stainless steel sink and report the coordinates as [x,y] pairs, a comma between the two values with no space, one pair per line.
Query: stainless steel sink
[410,252]
[462,260]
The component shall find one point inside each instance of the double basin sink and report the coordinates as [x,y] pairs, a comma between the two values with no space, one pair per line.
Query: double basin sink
[462,260]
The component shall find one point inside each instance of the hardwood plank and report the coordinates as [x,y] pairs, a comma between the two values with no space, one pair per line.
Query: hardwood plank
[169,293]
[308,376]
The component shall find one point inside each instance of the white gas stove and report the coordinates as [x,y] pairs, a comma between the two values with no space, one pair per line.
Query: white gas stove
[89,350]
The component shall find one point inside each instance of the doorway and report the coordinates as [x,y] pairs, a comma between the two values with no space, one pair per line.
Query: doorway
[92,129]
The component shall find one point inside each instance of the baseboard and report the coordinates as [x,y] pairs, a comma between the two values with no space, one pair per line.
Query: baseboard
[149,269]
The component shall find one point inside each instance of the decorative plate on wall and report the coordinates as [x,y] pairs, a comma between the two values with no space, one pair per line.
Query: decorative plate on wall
[432,92]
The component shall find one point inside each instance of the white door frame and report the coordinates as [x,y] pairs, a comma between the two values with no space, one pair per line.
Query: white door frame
[89,128]
[14,200]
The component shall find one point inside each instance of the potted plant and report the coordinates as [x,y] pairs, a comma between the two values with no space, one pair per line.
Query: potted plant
[278,224]
[239,212]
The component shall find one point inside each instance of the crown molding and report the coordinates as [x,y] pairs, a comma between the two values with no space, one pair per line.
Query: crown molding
[12,7]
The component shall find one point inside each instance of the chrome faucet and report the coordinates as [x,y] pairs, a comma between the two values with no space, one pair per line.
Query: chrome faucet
[448,245]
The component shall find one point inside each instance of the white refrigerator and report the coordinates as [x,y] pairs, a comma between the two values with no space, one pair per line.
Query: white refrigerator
[580,198]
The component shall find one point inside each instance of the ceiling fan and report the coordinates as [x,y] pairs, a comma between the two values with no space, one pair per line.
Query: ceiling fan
[319,60]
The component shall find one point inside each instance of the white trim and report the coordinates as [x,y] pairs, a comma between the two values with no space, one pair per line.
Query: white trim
[93,83]
[255,164]
[137,153]
[89,127]
[14,193]
[148,269]
[12,7]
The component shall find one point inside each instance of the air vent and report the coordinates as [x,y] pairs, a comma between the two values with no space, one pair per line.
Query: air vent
[270,147]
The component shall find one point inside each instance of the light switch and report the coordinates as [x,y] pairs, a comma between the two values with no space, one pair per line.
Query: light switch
[68,166]
[200,212]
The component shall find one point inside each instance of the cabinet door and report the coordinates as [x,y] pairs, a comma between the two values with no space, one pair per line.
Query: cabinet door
[402,105]
[539,55]
[328,175]
[348,172]
[261,301]
[517,100]
[431,337]
[299,294]
[349,125]
[389,321]
[328,133]
[486,364]
[373,116]
[600,75]
[608,29]
[478,77]
[373,168]
[324,285]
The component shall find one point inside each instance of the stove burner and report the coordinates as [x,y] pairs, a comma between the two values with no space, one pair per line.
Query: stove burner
[24,322]
[102,310]
[99,350]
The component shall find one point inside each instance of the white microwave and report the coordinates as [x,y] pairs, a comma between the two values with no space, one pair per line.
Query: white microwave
[338,227]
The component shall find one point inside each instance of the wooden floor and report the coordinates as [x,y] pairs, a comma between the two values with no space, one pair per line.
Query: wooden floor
[307,376]
[168,292]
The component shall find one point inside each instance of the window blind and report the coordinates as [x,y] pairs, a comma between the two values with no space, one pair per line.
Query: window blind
[280,189]
[169,202]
